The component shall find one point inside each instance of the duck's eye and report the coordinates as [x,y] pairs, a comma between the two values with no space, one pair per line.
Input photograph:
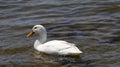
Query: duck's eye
[35,28]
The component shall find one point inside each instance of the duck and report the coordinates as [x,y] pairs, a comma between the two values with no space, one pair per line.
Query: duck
[54,47]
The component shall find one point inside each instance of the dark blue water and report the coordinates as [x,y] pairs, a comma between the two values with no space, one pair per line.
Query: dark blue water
[93,25]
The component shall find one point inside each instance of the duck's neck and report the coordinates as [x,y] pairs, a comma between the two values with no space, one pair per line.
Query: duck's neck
[42,36]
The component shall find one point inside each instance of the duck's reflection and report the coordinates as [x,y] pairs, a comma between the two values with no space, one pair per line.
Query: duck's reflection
[55,59]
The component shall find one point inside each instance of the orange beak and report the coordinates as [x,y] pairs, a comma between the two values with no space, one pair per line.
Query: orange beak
[30,34]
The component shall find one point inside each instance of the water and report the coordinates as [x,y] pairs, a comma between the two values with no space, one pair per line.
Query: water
[94,25]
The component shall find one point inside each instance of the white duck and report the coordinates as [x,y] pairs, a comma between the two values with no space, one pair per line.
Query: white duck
[58,47]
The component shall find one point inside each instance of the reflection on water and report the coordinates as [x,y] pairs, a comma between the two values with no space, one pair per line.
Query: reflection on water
[94,26]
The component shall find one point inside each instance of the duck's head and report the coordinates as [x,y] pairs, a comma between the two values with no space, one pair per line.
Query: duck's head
[36,29]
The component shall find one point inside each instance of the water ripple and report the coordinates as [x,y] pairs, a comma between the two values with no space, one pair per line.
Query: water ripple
[94,26]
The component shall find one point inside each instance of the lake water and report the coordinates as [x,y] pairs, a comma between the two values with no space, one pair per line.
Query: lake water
[93,25]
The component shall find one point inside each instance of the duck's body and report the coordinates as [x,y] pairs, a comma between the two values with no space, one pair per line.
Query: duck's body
[57,47]
[52,47]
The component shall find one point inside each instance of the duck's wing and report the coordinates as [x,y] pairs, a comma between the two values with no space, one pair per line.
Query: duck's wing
[59,47]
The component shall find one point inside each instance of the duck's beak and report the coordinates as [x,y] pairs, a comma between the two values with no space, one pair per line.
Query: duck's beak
[30,34]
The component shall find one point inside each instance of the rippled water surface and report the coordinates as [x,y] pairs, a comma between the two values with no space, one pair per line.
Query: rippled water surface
[93,25]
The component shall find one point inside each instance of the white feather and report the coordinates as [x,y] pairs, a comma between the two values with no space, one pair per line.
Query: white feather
[55,46]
